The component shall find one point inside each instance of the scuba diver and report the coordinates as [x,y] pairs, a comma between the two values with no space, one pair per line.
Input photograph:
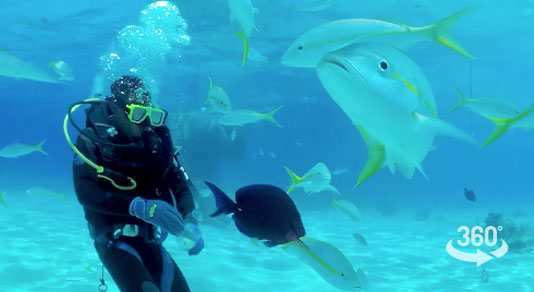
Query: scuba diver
[133,190]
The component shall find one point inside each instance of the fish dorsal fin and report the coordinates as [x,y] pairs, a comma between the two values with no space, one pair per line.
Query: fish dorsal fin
[211,82]
[376,156]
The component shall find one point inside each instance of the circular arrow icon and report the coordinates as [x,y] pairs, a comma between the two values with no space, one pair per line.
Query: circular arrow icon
[479,257]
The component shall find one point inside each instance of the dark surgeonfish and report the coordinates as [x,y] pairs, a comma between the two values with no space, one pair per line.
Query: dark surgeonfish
[470,195]
[264,212]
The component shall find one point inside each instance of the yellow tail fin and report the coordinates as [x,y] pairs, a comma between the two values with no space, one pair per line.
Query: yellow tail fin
[441,30]
[270,116]
[502,124]
[461,101]
[3,198]
[295,180]
[39,147]
[243,36]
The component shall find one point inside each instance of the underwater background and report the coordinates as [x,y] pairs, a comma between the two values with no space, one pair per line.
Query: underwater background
[406,222]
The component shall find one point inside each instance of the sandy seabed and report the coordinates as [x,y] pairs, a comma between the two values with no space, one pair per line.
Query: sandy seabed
[46,247]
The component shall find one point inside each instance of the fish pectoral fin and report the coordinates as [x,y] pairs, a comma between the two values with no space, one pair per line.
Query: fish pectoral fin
[435,126]
[332,189]
[376,153]
[269,243]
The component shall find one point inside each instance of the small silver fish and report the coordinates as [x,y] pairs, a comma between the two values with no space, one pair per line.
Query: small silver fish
[243,116]
[360,239]
[40,191]
[16,150]
[315,180]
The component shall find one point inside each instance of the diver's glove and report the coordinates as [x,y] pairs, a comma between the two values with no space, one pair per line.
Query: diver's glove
[159,213]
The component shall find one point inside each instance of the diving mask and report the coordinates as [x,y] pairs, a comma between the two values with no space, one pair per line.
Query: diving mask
[138,113]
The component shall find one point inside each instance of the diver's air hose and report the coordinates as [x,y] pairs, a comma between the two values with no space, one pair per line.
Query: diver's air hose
[100,170]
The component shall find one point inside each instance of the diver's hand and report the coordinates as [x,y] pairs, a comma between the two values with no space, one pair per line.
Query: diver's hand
[193,233]
[159,213]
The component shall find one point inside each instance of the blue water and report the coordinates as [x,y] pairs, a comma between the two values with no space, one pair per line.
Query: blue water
[314,130]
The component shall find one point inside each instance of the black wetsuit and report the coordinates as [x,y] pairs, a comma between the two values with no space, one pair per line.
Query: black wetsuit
[136,263]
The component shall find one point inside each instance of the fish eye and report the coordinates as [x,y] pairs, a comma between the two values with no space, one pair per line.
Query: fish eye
[383,65]
[300,48]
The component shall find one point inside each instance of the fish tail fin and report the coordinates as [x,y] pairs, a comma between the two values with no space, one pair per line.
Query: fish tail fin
[295,180]
[376,153]
[334,203]
[502,124]
[440,32]
[224,204]
[3,198]
[39,147]
[243,36]
[270,116]
[461,101]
